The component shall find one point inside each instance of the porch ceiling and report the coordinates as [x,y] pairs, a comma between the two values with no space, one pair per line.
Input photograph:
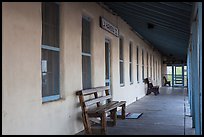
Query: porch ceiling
[166,25]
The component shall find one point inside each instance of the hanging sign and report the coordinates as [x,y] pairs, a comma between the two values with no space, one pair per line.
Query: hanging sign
[109,27]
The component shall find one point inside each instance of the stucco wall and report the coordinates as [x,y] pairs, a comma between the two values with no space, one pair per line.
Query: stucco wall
[23,111]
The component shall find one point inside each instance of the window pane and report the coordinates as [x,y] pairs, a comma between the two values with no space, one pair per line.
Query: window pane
[130,64]
[130,52]
[137,60]
[50,73]
[169,69]
[121,48]
[151,66]
[121,73]
[142,72]
[147,65]
[137,55]
[156,70]
[153,75]
[107,63]
[121,60]
[142,57]
[86,47]
[50,24]
[50,36]
[53,8]
[86,71]
[130,72]
[137,72]
[142,64]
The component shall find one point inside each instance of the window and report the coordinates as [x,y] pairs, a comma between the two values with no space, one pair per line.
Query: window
[151,66]
[147,65]
[86,53]
[156,70]
[50,51]
[153,74]
[142,64]
[137,65]
[121,61]
[169,73]
[130,62]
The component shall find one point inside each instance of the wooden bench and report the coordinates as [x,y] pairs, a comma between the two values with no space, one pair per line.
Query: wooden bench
[166,82]
[151,88]
[98,105]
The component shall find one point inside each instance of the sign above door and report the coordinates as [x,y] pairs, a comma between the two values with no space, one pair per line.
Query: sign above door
[106,25]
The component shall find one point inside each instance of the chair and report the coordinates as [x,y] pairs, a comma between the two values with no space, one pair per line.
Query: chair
[166,82]
[151,88]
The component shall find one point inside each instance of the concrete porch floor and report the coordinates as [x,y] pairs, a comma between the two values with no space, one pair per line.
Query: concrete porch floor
[164,114]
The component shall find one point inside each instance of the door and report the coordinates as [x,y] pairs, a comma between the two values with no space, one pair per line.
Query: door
[107,64]
[178,75]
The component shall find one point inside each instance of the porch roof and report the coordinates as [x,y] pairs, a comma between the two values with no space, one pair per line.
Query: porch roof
[165,25]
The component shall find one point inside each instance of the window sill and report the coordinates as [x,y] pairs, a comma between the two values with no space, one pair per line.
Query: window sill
[51,99]
[57,100]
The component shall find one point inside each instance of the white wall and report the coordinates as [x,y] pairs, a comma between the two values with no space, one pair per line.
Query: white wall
[23,111]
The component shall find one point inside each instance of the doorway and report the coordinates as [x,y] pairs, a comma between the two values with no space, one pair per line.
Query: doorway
[178,79]
[107,64]
[177,74]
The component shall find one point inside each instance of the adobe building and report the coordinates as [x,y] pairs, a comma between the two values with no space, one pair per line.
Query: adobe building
[52,50]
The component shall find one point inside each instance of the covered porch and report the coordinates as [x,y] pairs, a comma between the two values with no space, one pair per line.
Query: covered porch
[164,114]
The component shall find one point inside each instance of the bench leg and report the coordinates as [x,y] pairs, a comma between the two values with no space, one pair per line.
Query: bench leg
[148,91]
[114,116]
[86,123]
[103,123]
[123,111]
